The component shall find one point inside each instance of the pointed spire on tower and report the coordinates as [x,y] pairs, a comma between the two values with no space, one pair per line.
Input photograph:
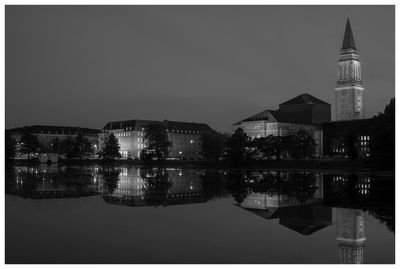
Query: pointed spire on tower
[348,39]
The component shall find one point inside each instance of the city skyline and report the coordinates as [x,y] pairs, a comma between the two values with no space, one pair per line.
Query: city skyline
[88,65]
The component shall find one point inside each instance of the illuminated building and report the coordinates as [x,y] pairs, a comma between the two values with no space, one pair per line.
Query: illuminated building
[304,112]
[349,93]
[185,137]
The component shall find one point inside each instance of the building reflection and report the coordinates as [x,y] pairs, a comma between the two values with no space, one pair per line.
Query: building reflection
[304,202]
[351,235]
[293,198]
[51,181]
[157,187]
[307,202]
[352,196]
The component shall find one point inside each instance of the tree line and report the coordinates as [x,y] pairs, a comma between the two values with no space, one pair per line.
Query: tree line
[237,148]
[240,148]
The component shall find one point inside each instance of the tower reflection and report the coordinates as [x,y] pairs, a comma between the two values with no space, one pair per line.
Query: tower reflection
[306,202]
[351,235]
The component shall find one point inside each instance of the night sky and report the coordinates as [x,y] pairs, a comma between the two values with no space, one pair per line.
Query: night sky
[87,65]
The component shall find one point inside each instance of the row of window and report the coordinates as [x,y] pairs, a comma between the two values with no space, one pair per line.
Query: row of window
[141,134]
[183,131]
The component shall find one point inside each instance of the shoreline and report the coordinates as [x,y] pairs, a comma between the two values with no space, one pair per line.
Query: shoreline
[312,165]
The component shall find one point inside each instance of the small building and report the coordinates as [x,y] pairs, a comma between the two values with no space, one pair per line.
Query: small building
[185,137]
[304,112]
[350,138]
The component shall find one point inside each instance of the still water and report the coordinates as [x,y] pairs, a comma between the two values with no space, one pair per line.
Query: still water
[127,214]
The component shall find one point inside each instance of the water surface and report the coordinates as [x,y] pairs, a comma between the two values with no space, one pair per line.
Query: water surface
[123,214]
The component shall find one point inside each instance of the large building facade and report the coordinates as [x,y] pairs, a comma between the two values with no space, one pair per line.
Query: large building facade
[304,112]
[185,137]
[349,92]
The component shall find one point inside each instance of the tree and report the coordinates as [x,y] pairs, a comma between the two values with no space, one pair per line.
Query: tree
[81,147]
[29,144]
[146,156]
[383,138]
[301,145]
[236,150]
[236,184]
[110,180]
[65,147]
[156,140]
[110,148]
[213,145]
[157,186]
[269,147]
[10,147]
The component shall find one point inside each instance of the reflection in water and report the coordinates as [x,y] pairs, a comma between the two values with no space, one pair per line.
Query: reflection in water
[351,235]
[157,186]
[303,202]
[295,198]
[51,181]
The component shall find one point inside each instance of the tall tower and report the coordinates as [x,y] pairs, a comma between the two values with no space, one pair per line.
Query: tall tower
[349,93]
[351,235]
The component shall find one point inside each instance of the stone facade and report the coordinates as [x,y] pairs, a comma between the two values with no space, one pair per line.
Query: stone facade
[304,112]
[349,93]
[185,137]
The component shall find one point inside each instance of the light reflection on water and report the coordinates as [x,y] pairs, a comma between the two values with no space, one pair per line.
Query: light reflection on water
[303,202]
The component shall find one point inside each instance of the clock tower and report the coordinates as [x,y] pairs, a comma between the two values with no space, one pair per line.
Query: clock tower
[349,93]
[351,235]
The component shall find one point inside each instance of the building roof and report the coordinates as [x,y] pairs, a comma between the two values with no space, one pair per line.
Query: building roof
[304,98]
[265,115]
[270,213]
[286,114]
[303,227]
[137,125]
[348,39]
[279,116]
[37,129]
[292,117]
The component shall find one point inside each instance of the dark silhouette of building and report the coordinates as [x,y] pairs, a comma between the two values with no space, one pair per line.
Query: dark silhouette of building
[47,135]
[349,138]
